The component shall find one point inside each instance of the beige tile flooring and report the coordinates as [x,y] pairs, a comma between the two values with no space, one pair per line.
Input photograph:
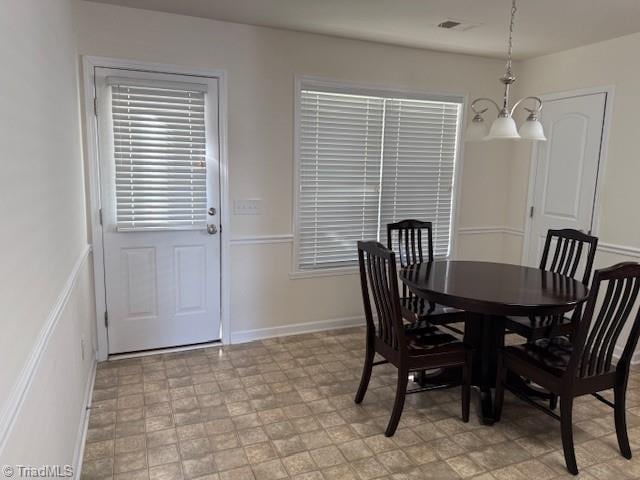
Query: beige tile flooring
[283,408]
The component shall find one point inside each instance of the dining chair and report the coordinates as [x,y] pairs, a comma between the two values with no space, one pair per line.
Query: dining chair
[573,251]
[583,364]
[413,242]
[387,336]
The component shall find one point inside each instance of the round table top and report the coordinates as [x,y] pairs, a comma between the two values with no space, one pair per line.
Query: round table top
[494,288]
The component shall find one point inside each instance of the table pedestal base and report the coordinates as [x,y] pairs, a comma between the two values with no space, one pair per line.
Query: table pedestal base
[485,335]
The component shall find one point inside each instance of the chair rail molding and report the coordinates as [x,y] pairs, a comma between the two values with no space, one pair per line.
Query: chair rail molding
[622,250]
[11,409]
[490,230]
[261,239]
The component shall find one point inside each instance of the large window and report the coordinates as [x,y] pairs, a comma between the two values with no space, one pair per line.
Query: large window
[365,160]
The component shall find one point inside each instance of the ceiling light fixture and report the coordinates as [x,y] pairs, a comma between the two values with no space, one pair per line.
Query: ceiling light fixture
[504,127]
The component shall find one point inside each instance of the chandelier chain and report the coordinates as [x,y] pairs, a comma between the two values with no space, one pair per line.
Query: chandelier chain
[511,25]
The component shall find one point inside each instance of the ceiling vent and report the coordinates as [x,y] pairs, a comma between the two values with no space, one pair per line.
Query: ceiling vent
[459,25]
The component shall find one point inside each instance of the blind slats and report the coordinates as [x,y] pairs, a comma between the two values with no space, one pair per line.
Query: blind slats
[366,161]
[159,155]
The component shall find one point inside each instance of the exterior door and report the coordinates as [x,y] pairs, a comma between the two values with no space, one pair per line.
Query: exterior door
[159,176]
[566,168]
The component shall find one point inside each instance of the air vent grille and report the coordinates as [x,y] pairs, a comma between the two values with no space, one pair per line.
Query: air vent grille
[449,24]
[457,24]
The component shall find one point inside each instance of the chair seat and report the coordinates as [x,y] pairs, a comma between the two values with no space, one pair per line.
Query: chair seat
[535,328]
[416,309]
[549,354]
[433,341]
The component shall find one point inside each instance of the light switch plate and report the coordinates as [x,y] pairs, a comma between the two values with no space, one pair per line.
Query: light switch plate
[247,206]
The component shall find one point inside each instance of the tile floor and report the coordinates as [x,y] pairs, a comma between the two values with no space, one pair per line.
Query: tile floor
[283,408]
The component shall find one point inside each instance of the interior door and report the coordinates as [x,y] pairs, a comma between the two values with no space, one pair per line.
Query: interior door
[566,168]
[159,176]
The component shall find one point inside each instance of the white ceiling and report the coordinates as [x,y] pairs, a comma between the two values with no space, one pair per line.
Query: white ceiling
[542,26]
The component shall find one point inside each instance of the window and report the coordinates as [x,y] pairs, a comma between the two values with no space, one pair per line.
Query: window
[367,159]
[159,150]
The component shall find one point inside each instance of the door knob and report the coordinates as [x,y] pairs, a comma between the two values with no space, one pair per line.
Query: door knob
[212,229]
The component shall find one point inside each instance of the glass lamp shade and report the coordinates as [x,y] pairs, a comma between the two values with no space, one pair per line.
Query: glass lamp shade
[532,130]
[503,127]
[476,131]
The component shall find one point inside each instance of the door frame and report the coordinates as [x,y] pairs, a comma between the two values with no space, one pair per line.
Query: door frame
[609,91]
[92,179]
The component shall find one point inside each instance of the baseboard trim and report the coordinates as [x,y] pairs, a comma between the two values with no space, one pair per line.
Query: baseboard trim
[261,239]
[84,424]
[295,329]
[617,353]
[13,405]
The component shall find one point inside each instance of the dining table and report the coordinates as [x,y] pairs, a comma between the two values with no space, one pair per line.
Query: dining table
[488,292]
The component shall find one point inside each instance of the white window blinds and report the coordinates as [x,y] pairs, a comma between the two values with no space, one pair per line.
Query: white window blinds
[419,158]
[365,161]
[159,153]
[339,175]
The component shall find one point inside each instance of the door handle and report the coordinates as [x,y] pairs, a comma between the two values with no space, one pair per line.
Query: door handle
[212,229]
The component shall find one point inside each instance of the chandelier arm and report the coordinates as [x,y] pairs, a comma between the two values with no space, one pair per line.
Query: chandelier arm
[483,99]
[535,110]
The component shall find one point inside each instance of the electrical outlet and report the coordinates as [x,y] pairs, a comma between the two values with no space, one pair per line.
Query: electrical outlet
[248,206]
[82,346]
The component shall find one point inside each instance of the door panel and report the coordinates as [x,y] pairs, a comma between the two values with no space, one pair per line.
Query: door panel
[566,168]
[566,159]
[162,266]
[191,279]
[139,278]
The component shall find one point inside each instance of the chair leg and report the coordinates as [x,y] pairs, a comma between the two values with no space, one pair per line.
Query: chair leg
[398,405]
[553,401]
[566,427]
[466,387]
[619,394]
[366,374]
[500,380]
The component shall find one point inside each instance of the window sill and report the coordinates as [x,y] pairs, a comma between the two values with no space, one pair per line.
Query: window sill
[329,272]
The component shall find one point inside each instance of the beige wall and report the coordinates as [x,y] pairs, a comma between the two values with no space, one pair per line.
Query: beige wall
[43,236]
[261,64]
[602,64]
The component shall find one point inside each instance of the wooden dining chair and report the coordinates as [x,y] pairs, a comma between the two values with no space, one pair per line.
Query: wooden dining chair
[412,240]
[573,257]
[386,335]
[583,364]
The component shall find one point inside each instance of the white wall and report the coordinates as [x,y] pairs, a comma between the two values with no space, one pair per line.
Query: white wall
[261,64]
[601,64]
[45,280]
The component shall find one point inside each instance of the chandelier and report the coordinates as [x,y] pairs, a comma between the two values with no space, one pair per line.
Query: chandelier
[504,127]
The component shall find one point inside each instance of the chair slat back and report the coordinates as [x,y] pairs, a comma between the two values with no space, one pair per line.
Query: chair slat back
[378,276]
[410,239]
[568,253]
[614,293]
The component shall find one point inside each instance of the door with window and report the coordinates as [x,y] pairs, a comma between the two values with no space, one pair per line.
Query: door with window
[159,176]
[566,168]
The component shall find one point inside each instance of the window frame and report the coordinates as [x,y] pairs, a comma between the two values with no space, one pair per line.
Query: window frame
[304,82]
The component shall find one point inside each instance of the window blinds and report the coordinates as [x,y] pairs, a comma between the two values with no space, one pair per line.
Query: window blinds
[365,161]
[339,175]
[419,158]
[159,153]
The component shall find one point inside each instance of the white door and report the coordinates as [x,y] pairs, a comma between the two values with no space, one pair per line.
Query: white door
[159,176]
[566,168]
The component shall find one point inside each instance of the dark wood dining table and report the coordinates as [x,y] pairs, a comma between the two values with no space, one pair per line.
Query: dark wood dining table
[488,292]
